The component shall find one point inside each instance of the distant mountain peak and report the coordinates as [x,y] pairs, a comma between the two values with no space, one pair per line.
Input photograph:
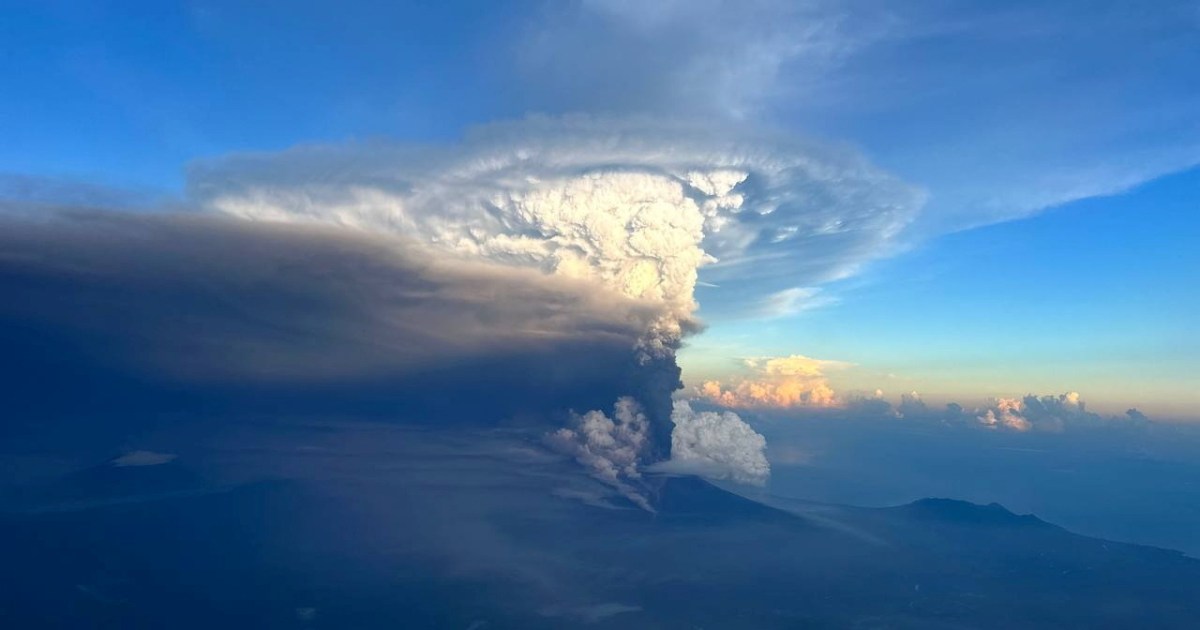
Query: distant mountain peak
[955,510]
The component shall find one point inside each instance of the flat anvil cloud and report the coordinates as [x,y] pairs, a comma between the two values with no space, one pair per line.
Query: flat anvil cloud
[640,206]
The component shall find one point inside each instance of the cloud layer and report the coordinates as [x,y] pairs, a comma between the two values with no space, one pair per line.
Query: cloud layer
[778,382]
[1054,413]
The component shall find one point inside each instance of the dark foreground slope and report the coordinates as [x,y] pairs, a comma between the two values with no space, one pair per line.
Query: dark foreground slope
[490,532]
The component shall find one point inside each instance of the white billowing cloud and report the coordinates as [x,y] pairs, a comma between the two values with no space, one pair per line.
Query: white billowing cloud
[610,447]
[718,445]
[779,382]
[636,205]
[1043,413]
[1050,413]
[1004,413]
[1054,413]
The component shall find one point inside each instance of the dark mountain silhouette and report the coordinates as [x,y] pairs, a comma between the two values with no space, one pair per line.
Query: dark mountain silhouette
[490,545]
[952,510]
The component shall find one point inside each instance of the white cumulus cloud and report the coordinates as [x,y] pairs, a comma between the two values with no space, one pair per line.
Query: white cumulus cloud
[782,382]
[1054,413]
[1004,413]
[718,445]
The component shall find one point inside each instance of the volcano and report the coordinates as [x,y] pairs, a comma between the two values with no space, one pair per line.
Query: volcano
[490,531]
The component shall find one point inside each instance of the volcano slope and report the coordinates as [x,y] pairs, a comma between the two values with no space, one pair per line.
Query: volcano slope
[367,525]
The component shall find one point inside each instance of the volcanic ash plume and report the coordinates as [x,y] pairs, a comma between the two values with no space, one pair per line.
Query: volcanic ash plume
[638,208]
[611,448]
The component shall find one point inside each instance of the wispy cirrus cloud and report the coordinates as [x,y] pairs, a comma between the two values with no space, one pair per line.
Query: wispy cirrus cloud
[993,107]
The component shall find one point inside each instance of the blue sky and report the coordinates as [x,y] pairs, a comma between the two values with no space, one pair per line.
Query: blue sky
[129,92]
[1094,296]
[1055,144]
